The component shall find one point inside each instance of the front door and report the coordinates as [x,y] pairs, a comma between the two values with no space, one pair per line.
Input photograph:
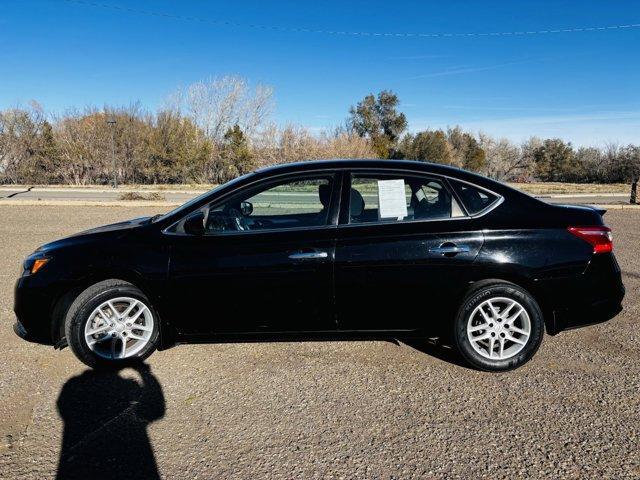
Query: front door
[405,249]
[264,262]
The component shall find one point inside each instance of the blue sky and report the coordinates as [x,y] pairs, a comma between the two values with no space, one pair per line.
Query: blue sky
[581,86]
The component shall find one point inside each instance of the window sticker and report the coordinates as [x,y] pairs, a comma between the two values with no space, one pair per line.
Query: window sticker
[391,199]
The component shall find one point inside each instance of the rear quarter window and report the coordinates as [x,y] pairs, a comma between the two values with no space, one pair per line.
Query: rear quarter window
[473,198]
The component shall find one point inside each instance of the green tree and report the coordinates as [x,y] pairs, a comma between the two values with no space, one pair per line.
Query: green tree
[28,145]
[430,146]
[176,150]
[555,161]
[379,120]
[46,159]
[467,152]
[235,156]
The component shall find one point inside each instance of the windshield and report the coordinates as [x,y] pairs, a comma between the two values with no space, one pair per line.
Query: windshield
[186,206]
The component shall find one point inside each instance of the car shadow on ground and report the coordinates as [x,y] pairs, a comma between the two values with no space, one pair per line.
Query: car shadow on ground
[434,346]
[105,417]
[437,348]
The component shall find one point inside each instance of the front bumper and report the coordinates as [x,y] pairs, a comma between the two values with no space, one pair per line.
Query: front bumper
[19,330]
[33,306]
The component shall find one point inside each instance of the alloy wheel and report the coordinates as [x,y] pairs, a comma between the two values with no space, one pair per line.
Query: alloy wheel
[119,328]
[499,328]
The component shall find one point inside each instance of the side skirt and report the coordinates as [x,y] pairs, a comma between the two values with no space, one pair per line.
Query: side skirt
[324,335]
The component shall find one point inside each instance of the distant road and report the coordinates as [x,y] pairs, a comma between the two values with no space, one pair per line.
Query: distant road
[178,197]
[90,194]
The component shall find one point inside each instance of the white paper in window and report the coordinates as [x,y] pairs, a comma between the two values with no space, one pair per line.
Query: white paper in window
[391,199]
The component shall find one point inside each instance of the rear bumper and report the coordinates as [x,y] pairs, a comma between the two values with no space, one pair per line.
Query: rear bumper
[595,297]
[593,313]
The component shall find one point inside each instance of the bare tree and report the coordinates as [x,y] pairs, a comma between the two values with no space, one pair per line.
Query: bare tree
[83,139]
[26,145]
[294,143]
[504,160]
[593,163]
[218,104]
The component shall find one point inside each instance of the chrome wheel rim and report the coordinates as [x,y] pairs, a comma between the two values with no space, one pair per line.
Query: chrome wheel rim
[499,328]
[119,328]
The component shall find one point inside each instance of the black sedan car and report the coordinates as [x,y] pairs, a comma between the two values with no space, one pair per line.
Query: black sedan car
[329,248]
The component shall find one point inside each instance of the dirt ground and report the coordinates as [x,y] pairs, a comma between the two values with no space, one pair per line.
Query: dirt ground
[318,409]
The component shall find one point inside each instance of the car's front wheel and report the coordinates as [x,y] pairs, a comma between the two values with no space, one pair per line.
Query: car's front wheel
[498,327]
[112,324]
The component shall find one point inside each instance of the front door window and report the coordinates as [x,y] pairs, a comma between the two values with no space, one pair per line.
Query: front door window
[292,204]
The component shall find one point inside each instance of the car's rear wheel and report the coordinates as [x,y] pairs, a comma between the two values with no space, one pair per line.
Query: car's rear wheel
[498,327]
[112,324]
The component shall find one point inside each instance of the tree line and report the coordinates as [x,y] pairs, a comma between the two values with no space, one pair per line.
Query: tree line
[551,160]
[209,132]
[215,130]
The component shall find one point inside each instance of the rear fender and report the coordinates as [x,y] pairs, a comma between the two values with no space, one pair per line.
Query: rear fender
[527,284]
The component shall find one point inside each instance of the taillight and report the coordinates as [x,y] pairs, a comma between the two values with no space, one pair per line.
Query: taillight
[599,237]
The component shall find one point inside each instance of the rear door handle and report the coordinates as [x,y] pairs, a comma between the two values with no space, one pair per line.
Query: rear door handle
[309,255]
[449,248]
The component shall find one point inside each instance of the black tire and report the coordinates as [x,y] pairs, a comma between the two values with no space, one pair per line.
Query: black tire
[492,290]
[80,311]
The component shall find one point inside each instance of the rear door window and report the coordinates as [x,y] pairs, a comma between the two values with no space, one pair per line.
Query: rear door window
[398,198]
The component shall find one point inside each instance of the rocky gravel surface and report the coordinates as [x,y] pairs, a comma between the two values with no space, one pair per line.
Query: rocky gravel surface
[318,409]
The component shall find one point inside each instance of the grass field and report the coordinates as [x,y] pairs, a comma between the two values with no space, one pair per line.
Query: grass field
[542,188]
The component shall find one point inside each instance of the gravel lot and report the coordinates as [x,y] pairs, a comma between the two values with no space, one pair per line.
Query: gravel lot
[314,409]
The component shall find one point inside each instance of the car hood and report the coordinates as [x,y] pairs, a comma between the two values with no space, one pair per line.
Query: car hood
[112,227]
[95,233]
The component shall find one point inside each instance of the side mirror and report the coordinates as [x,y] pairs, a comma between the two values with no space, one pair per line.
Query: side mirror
[194,224]
[246,208]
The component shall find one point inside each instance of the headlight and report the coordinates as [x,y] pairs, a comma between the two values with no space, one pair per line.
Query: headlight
[33,263]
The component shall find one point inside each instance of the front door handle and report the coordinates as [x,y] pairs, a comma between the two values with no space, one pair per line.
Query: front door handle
[308,255]
[449,248]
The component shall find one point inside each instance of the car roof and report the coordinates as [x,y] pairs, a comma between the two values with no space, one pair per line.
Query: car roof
[354,163]
[408,165]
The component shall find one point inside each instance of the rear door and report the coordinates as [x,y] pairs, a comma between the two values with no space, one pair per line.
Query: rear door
[405,251]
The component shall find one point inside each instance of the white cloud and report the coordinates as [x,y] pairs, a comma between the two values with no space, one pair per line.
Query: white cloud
[462,69]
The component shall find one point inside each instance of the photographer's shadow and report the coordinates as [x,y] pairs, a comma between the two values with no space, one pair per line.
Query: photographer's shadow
[105,425]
